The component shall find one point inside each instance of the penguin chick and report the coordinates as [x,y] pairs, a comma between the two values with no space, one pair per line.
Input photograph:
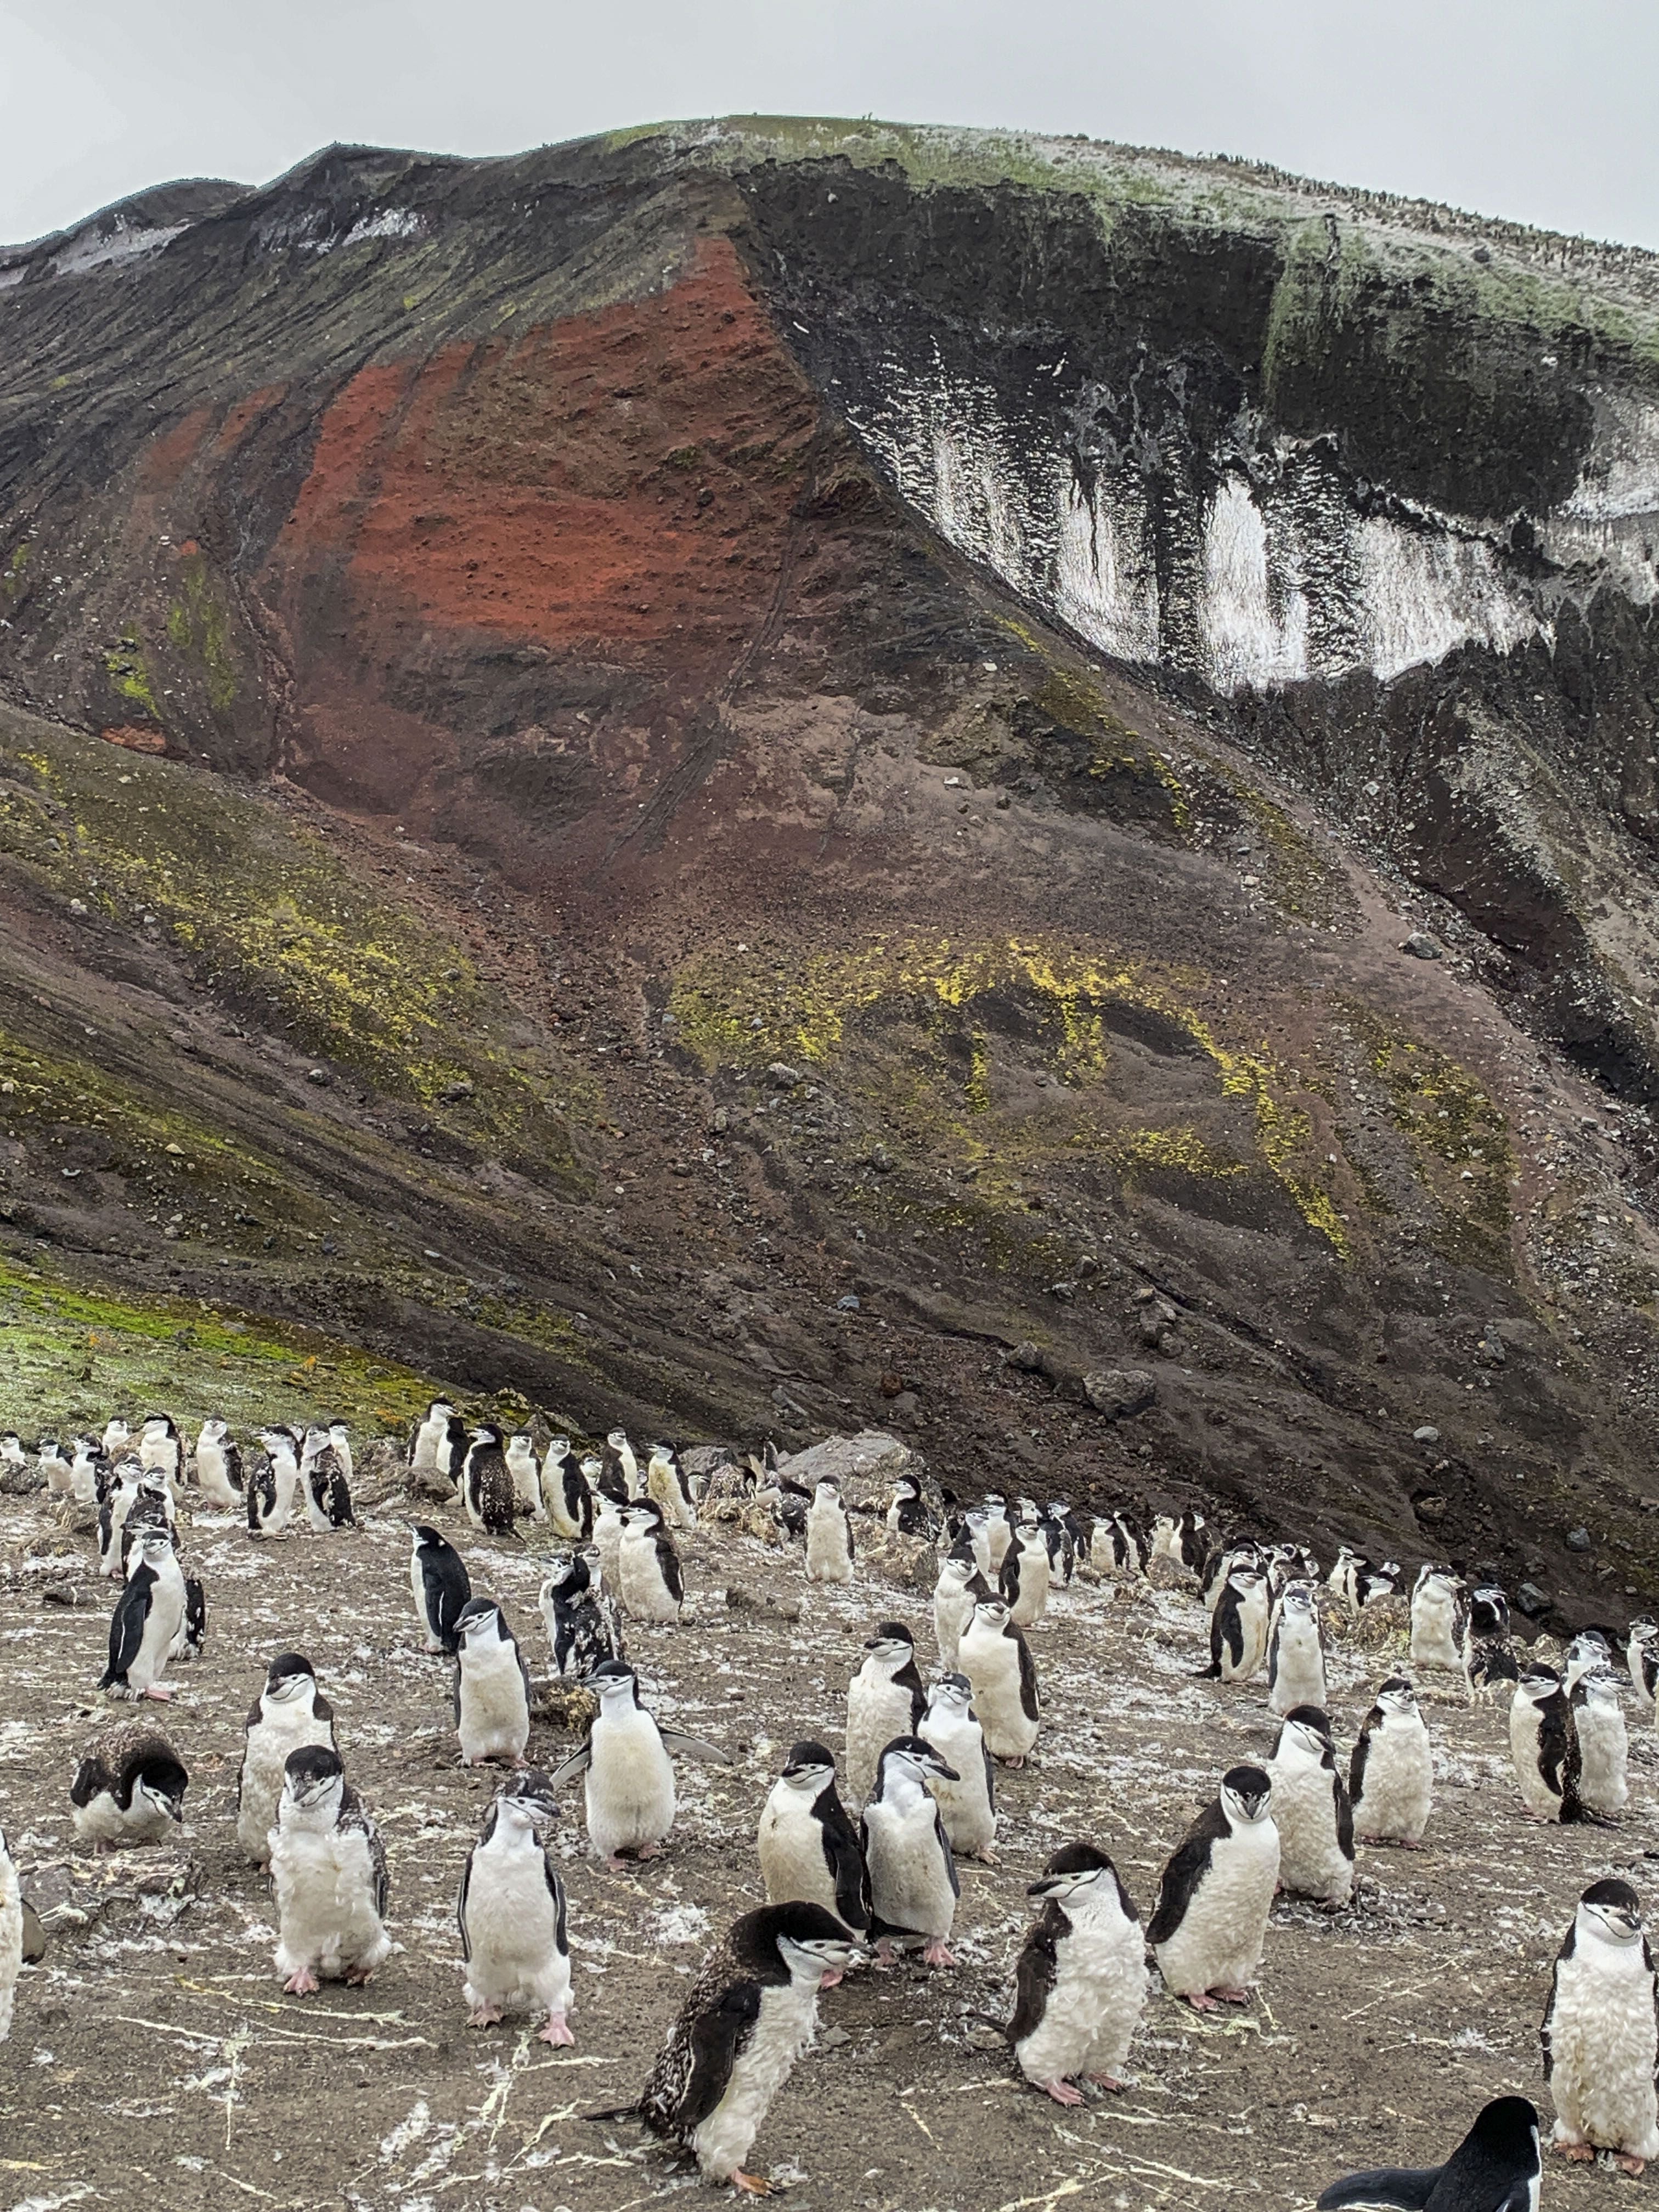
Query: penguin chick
[1391,1774]
[967,1805]
[829,1551]
[117,1437]
[958,1591]
[1488,1655]
[328,1871]
[219,1465]
[129,1789]
[1496,2164]
[1296,1651]
[1210,1927]
[273,1484]
[994,1657]
[147,1619]
[441,1586]
[511,1911]
[809,1849]
[1588,1649]
[1026,1574]
[565,1492]
[492,1686]
[666,1486]
[525,1468]
[323,1480]
[1544,1747]
[289,1713]
[884,1699]
[913,1876]
[1438,1597]
[581,1616]
[1599,2038]
[486,1486]
[1598,1720]
[1311,1809]
[648,1567]
[1080,1981]
[628,1763]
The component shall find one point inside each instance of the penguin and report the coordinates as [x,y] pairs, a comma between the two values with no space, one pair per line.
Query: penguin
[289,1713]
[1296,1651]
[1641,1657]
[115,1438]
[829,1549]
[486,1486]
[1598,1720]
[324,1485]
[492,1686]
[977,1527]
[148,1616]
[1180,1539]
[340,1437]
[329,1872]
[160,1448]
[1496,2166]
[1080,1979]
[649,1566]
[666,1486]
[907,1513]
[581,1618]
[11,1935]
[791,1505]
[219,1465]
[1372,1583]
[994,1657]
[1238,1627]
[1437,1600]
[884,1699]
[1599,2038]
[525,1468]
[1212,1575]
[112,1512]
[1488,1655]
[1311,1809]
[12,1458]
[151,1509]
[54,1469]
[608,1532]
[428,1439]
[1026,1573]
[747,2017]
[565,1493]
[1117,1546]
[628,1763]
[1588,1649]
[273,1484]
[913,1876]
[191,1638]
[999,1534]
[89,1471]
[515,1945]
[441,1586]
[809,1849]
[619,1469]
[1343,1578]
[1391,1773]
[1064,1536]
[129,1789]
[958,1589]
[967,1805]
[1544,1746]
[1209,1928]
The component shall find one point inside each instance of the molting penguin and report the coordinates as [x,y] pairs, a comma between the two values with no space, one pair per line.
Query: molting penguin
[492,1686]
[1343,1580]
[1296,1651]
[323,1480]
[1438,1598]
[441,1584]
[628,1763]
[1588,1649]
[526,1469]
[884,1699]
[913,1876]
[809,1849]
[1599,2038]
[667,1487]
[1026,1573]
[487,1489]
[1598,1720]
[829,1535]
[1495,2168]
[566,1494]
[1488,1655]
[1080,1981]
[329,1872]
[219,1465]
[1311,1809]
[958,1589]
[129,1789]
[996,1659]
[56,1471]
[1544,1746]
[289,1714]
[1238,1627]
[649,1566]
[273,1483]
[14,1460]
[511,1913]
[967,1805]
[1210,1926]
[146,1621]
[583,1626]
[89,1471]
[1391,1775]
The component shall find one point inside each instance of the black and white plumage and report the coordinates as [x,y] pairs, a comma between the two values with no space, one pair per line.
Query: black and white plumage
[273,1483]
[128,1789]
[993,1654]
[1027,1572]
[1119,1545]
[1343,1580]
[191,1639]
[609,1530]
[1311,1809]
[117,1502]
[1210,1925]
[746,2019]
[325,1484]
[1238,1627]
[668,1487]
[1439,1600]
[909,1513]
[884,1699]
[56,1469]
[150,1510]
[525,1467]
[1374,1582]
[161,1448]
[1064,1534]
[1598,1720]
[566,1494]
[12,1458]
[491,1693]
[1544,1746]
[1182,1538]
[1296,1650]
[584,1625]
[219,1465]
[148,1616]
[1496,2168]
[968,1806]
[117,1439]
[1599,2038]
[289,1713]
[1212,1574]
[430,1441]
[1080,1979]
[619,1469]
[328,1873]
[1641,1657]
[912,1873]
[1488,1655]
[441,1583]
[487,1489]
[649,1566]
[959,1588]
[830,1548]
[808,1847]
[998,1533]
[515,1944]
[1591,1648]
[90,1472]
[628,1763]
[1391,1774]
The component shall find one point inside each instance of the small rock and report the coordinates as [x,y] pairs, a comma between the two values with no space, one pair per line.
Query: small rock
[981,2035]
[453,1092]
[881,1160]
[1431,1509]
[1420,947]
[834,2038]
[1579,1540]
[1426,1435]
[318,1075]
[1531,1599]
[1026,1357]
[721,1122]
[1119,1392]
[78,908]
[849,1304]
[170,1233]
[783,1075]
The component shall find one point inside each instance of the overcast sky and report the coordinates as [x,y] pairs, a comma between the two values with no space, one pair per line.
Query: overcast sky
[1547,111]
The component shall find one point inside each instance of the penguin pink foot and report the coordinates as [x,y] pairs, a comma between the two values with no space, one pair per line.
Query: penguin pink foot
[1232,1996]
[483,2016]
[556,2032]
[302,1983]
[1201,2000]
[938,1954]
[1062,2093]
[1104,2081]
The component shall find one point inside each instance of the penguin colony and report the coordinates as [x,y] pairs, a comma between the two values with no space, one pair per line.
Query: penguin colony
[864,1878]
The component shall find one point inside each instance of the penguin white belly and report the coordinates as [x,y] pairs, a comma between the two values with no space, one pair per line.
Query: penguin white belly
[162,1623]
[418,1585]
[998,1537]
[980,1541]
[1603,1749]
[1094,2007]
[952,1609]
[964,1806]
[212,1479]
[790,1843]
[1032,1602]
[607,1538]
[663,1490]
[1312,1864]
[1299,1668]
[564,1522]
[424,1458]
[268,1744]
[630,1785]
[326,1919]
[644,1592]
[875,1715]
[909,1882]
[527,1484]
[495,1715]
[1398,1785]
[1223,1933]
[782,2030]
[11,1938]
[102,1822]
[1102,1557]
[512,1927]
[1536,1795]
[1602,2040]
[992,1665]
[60,1482]
[1433,1643]
[827,1556]
[83,1486]
[1253,1626]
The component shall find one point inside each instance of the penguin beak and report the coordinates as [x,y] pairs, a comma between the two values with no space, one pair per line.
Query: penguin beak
[945,1773]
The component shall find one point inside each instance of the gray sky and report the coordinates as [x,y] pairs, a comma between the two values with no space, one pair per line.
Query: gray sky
[1547,111]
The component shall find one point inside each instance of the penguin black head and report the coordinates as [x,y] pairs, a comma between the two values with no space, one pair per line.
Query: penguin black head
[485,1432]
[1246,1794]
[288,1676]
[313,1774]
[531,1792]
[160,1779]
[644,1515]
[1311,1717]
[614,1678]
[809,1768]
[1306,1729]
[1396,1695]
[1491,2166]
[797,1942]
[567,1577]
[1613,1910]
[424,1535]
[994,1614]
[1538,1681]
[892,1640]
[154,1547]
[954,1690]
[907,1486]
[439,1410]
[909,1755]
[484,1618]
[1078,1871]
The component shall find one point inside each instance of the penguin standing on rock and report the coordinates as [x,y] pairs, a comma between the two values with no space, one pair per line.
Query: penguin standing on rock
[487,1489]
[441,1586]
[1496,2168]
[219,1465]
[809,1849]
[997,1660]
[1438,1598]
[1488,1655]
[884,1699]
[511,1913]
[565,1492]
[1311,1809]
[628,1761]
[907,1513]
[129,1789]
[1391,1775]
[580,1615]
[273,1484]
[649,1566]
[1296,1651]
[148,1616]
[967,1805]
[1238,1627]
[1598,1720]
[1598,2037]
[958,1589]
[525,1468]
[289,1714]
[329,1872]
[1080,1982]
[829,1535]
[913,1876]
[1209,1930]
[1544,1746]
[492,1686]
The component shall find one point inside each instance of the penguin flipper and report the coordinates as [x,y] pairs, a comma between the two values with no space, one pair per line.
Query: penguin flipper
[460,1911]
[1400,2187]
[127,1629]
[693,1747]
[718,2035]
[1035,1971]
[34,1936]
[578,1763]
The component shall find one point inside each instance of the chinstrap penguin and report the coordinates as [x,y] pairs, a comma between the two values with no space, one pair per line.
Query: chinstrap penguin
[129,1789]
[1296,1650]
[1209,1929]
[441,1584]
[515,1945]
[219,1465]
[1544,1746]
[1311,1809]
[628,1763]
[993,1654]
[1598,1720]
[884,1699]
[649,1566]
[1080,1981]
[328,1873]
[830,1548]
[1599,2038]
[492,1686]
[958,1589]
[582,1620]
[967,1805]
[289,1714]
[1438,1599]
[487,1489]
[913,1875]
[808,1846]
[145,1623]
[1391,1774]
[1496,2168]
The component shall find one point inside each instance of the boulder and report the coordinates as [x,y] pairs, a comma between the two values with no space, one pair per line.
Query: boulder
[1120,1393]
[866,1466]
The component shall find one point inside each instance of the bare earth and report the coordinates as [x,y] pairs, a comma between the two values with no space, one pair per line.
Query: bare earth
[153,2048]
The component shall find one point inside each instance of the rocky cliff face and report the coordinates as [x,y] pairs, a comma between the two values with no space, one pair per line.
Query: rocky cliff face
[680,731]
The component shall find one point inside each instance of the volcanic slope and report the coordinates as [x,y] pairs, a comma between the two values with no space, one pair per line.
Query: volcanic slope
[612,751]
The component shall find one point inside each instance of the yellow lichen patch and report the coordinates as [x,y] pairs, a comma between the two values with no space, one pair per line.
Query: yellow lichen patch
[1182,1149]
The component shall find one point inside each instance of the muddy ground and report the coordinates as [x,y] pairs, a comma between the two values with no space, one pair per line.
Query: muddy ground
[154,2051]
